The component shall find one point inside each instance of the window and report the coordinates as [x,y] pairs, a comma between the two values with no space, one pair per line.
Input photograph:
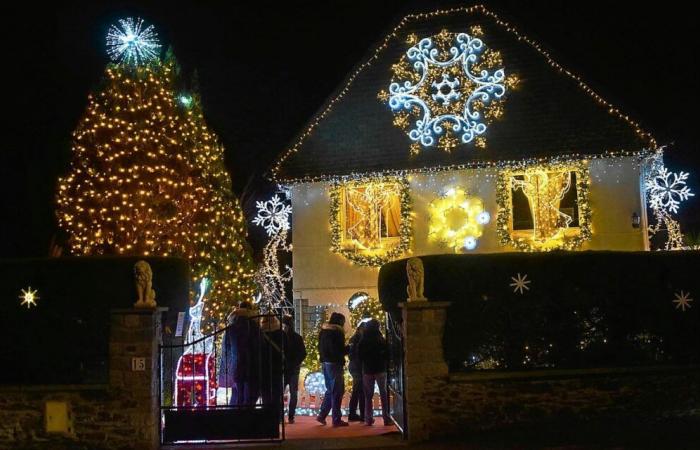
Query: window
[370,220]
[544,207]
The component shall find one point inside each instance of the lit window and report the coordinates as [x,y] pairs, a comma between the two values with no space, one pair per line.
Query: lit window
[545,207]
[370,221]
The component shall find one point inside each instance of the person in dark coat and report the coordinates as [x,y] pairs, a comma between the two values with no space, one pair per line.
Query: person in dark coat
[295,352]
[239,354]
[272,345]
[332,351]
[374,355]
[355,367]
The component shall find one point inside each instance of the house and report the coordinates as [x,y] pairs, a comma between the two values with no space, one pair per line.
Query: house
[457,133]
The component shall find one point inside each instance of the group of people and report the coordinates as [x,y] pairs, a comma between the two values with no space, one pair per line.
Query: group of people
[368,355]
[252,362]
[261,357]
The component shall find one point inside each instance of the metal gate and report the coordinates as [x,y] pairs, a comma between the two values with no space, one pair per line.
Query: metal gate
[226,386]
[396,378]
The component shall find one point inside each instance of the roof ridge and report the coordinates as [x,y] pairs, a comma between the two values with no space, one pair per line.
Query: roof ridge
[345,86]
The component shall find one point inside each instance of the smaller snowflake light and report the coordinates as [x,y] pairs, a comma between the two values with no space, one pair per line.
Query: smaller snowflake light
[273,215]
[520,284]
[131,43]
[667,190]
[682,300]
[29,297]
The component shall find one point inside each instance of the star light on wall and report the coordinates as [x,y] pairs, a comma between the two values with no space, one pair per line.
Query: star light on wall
[520,284]
[682,300]
[273,215]
[29,297]
[130,42]
[457,219]
[446,89]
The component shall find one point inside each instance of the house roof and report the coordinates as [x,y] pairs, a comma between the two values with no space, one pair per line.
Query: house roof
[551,114]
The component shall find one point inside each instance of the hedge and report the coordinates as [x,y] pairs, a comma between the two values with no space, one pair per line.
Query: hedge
[64,339]
[582,309]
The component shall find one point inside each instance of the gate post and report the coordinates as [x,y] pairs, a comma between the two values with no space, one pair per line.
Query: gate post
[134,337]
[424,363]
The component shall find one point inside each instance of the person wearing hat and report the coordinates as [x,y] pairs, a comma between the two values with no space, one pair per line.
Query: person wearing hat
[332,351]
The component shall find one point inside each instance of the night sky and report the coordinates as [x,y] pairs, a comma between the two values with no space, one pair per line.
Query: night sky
[264,70]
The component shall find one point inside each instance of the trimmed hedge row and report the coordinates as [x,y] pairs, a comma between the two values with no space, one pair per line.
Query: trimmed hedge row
[64,339]
[582,309]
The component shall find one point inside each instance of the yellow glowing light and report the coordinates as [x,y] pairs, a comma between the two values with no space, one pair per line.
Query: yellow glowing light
[544,187]
[457,219]
[29,297]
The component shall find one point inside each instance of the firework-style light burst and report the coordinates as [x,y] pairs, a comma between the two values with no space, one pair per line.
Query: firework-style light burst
[131,43]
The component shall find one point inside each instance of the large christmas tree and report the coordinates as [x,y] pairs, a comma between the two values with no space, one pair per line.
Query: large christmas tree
[147,177]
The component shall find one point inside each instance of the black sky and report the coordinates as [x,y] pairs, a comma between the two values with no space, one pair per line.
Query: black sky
[266,67]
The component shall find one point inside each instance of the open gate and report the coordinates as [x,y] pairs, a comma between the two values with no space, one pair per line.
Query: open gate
[396,378]
[225,387]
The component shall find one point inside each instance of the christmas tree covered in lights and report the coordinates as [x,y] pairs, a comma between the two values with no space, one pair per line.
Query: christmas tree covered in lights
[147,178]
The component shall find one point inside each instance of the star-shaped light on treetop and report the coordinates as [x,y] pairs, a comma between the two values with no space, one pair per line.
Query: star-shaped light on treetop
[131,43]
[520,284]
[682,300]
[273,215]
[29,297]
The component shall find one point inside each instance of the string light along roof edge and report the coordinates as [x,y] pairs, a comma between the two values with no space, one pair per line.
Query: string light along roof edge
[274,173]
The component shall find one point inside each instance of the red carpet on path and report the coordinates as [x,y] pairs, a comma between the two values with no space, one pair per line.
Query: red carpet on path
[306,427]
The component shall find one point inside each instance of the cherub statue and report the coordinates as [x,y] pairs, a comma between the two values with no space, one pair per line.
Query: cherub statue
[143,277]
[414,270]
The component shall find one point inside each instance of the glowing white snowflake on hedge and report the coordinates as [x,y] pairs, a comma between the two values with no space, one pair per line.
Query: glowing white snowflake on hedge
[447,88]
[273,215]
[520,284]
[667,189]
[29,297]
[131,43]
[682,300]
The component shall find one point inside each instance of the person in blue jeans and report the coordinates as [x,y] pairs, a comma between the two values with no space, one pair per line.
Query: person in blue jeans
[374,354]
[332,351]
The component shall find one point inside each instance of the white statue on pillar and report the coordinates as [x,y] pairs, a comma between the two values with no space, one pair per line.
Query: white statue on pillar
[143,277]
[415,273]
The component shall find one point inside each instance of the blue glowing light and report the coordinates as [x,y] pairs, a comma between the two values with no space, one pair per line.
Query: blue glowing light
[131,43]
[186,100]
[454,88]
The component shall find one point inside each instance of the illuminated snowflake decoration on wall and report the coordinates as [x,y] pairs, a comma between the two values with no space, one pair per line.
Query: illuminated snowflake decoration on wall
[667,190]
[446,90]
[457,219]
[273,215]
[130,42]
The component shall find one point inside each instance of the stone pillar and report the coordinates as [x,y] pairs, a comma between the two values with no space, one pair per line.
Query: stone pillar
[133,371]
[424,363]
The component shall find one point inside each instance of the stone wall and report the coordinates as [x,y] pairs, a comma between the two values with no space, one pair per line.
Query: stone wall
[440,404]
[121,415]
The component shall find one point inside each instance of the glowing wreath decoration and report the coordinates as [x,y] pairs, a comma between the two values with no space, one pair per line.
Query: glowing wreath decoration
[457,219]
[446,89]
[566,238]
[355,254]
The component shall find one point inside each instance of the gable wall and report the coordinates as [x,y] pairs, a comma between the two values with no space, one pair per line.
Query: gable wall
[325,277]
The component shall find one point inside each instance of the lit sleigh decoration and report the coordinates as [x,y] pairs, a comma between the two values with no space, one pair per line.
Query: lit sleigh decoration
[447,89]
[195,383]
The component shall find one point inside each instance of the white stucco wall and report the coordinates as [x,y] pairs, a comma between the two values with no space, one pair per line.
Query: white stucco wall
[325,277]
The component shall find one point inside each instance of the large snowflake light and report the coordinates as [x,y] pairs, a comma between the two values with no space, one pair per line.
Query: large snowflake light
[273,215]
[667,189]
[132,43]
[446,89]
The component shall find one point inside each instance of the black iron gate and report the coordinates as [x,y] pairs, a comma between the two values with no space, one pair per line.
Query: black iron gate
[396,378]
[226,386]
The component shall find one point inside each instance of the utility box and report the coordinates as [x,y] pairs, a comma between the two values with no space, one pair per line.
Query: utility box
[58,418]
